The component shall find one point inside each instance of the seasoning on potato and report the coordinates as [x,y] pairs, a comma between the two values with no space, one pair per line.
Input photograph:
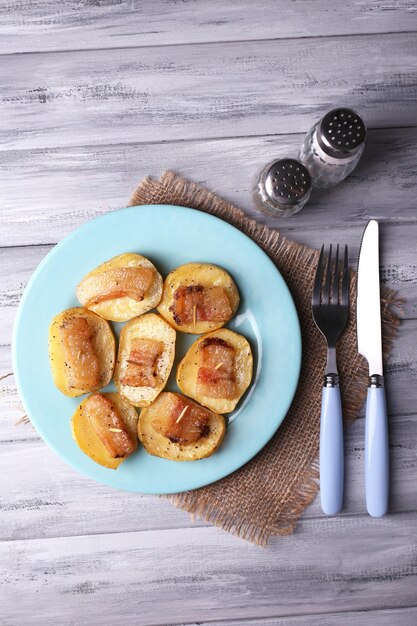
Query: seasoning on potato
[82,351]
[121,288]
[145,358]
[177,428]
[105,428]
[217,370]
[198,297]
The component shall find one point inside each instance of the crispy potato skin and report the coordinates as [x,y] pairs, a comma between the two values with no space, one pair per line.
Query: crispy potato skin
[149,326]
[188,369]
[104,346]
[124,308]
[88,440]
[158,445]
[204,274]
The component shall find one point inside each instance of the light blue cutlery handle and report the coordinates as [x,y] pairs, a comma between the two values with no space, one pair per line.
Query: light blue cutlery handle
[376,452]
[331,451]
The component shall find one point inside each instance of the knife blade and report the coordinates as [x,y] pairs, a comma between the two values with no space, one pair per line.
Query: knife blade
[368,311]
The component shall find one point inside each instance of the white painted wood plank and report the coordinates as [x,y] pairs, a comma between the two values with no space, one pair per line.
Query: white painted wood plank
[202,574]
[13,279]
[400,376]
[398,262]
[55,501]
[390,617]
[161,576]
[71,185]
[201,91]
[47,25]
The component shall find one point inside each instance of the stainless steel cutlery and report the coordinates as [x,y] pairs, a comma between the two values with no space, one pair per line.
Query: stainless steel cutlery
[330,306]
[370,346]
[330,301]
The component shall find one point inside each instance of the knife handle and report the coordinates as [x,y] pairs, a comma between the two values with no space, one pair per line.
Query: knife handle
[376,449]
[331,449]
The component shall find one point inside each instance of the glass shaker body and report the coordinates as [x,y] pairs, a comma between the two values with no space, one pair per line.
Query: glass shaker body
[326,161]
[282,188]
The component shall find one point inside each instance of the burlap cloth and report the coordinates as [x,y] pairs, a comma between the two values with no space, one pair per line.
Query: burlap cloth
[267,496]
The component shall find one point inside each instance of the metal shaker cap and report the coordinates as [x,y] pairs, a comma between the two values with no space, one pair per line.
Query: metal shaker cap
[341,133]
[288,182]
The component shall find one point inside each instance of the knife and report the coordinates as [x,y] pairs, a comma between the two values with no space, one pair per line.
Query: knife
[368,313]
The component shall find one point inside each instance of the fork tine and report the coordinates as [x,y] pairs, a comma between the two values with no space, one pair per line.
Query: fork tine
[326,288]
[335,289]
[317,281]
[345,279]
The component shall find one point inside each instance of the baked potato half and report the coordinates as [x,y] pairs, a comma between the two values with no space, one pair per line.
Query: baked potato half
[121,288]
[217,370]
[177,428]
[198,297]
[82,351]
[104,426]
[145,358]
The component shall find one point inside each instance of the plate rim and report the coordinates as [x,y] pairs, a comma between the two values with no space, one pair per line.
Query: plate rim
[85,227]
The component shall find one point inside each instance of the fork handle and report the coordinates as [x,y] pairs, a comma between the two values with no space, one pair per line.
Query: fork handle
[331,448]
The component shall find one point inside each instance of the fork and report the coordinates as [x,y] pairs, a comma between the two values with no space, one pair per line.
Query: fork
[330,306]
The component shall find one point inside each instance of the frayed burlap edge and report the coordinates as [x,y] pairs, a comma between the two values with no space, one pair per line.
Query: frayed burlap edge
[273,243]
[199,503]
[308,481]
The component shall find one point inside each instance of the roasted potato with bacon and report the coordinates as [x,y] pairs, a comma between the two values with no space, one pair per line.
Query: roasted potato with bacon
[82,351]
[217,370]
[145,358]
[198,297]
[121,288]
[177,428]
[105,428]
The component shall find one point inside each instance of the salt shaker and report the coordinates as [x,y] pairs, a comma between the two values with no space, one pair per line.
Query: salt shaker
[282,188]
[332,148]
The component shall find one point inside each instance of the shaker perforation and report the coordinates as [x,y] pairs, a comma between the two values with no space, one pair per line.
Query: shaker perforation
[341,118]
[333,146]
[287,181]
[283,187]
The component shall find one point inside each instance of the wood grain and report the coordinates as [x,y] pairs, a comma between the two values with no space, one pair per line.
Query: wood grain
[136,576]
[78,130]
[203,91]
[28,26]
[397,258]
[400,375]
[55,501]
[69,186]
[390,617]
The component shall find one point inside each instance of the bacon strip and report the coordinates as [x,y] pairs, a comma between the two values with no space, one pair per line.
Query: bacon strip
[181,421]
[216,372]
[81,361]
[196,303]
[109,426]
[141,364]
[132,282]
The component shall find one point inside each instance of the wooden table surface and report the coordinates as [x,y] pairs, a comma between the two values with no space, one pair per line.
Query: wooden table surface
[96,94]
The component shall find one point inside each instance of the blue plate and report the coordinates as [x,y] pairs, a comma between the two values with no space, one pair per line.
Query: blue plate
[168,236]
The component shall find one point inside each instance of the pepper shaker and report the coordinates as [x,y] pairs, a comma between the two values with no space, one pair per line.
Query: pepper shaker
[333,146]
[282,188]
